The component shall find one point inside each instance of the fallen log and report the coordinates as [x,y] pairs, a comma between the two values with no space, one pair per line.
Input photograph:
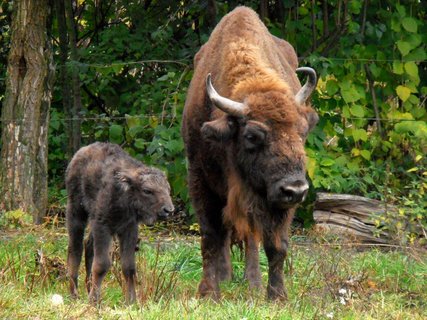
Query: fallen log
[351,217]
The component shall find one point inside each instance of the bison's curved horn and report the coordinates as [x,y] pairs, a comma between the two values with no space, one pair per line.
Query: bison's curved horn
[308,87]
[229,106]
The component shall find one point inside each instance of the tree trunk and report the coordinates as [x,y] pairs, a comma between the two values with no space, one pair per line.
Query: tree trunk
[30,70]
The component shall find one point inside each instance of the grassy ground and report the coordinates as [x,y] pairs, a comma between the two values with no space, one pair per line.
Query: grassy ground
[324,280]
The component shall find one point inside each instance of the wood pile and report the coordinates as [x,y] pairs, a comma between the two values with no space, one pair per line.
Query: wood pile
[351,217]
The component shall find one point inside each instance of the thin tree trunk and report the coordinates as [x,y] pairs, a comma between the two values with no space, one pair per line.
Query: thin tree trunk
[211,14]
[263,9]
[313,26]
[75,83]
[64,75]
[325,18]
[23,162]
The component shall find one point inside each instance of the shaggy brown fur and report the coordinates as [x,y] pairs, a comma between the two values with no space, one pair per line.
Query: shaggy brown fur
[237,164]
[113,192]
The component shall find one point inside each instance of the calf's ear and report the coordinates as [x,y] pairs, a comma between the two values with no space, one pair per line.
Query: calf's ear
[221,129]
[124,179]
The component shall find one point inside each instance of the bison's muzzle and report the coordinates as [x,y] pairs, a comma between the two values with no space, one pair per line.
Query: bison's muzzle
[287,192]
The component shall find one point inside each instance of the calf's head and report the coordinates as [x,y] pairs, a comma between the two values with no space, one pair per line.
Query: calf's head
[146,192]
[265,136]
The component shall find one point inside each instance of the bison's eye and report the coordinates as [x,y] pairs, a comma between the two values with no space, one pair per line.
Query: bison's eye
[147,191]
[253,139]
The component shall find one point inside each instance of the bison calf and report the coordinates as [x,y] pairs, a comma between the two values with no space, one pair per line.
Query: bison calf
[113,192]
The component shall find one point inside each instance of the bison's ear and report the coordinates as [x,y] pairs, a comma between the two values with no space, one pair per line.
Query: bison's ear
[312,117]
[221,129]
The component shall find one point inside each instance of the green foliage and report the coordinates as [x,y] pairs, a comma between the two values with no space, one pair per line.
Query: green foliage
[135,63]
[15,219]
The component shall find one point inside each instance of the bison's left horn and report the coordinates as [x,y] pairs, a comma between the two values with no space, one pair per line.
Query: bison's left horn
[229,106]
[308,87]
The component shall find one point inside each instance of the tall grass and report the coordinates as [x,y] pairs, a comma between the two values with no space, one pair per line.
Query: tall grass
[324,281]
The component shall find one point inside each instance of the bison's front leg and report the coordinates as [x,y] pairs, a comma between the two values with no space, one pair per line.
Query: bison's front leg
[215,237]
[276,256]
[101,261]
[276,241]
[128,242]
[252,270]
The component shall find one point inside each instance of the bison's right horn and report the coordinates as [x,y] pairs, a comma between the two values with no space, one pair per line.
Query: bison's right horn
[308,87]
[229,106]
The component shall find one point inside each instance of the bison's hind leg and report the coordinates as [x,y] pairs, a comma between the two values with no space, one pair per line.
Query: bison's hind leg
[76,224]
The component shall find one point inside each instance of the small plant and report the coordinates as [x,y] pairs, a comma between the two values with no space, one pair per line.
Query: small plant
[15,219]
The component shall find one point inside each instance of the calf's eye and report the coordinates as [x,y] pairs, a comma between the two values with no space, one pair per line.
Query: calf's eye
[147,191]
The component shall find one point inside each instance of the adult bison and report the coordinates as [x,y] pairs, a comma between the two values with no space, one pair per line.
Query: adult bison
[113,192]
[244,137]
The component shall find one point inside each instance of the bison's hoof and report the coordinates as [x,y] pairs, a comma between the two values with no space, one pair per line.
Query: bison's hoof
[208,290]
[276,294]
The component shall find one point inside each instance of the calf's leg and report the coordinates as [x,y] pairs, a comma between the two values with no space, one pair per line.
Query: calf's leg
[101,260]
[88,260]
[128,241]
[76,223]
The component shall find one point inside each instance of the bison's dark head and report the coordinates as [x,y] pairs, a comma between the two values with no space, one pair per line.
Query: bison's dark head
[146,192]
[265,136]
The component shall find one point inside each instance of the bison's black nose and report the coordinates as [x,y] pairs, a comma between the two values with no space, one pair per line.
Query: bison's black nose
[166,211]
[289,192]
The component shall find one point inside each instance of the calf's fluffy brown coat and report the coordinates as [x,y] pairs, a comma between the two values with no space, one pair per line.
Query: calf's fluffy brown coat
[113,192]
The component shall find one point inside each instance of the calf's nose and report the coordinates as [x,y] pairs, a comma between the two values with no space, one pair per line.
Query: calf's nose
[166,211]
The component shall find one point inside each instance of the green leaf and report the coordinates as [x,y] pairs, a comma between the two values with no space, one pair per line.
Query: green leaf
[410,24]
[411,69]
[134,131]
[397,67]
[359,134]
[404,47]
[353,166]
[403,92]
[327,162]
[116,133]
[418,54]
[331,87]
[365,154]
[417,128]
[395,24]
[357,111]
[140,144]
[311,166]
[401,10]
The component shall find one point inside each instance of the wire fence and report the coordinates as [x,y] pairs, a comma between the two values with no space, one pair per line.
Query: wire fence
[169,116]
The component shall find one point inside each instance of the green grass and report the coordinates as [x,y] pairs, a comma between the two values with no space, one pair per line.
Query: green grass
[324,280]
